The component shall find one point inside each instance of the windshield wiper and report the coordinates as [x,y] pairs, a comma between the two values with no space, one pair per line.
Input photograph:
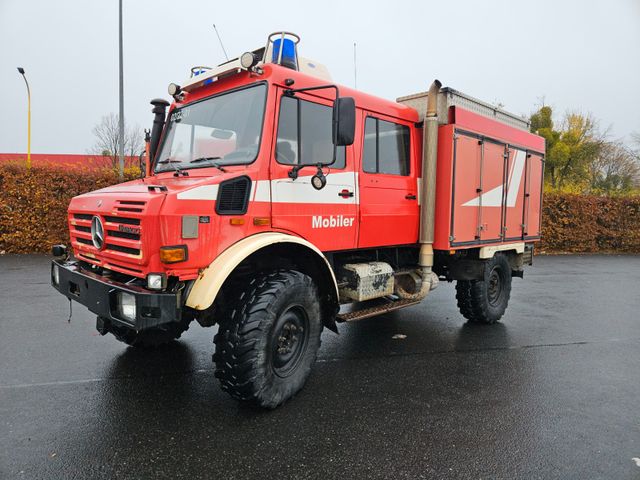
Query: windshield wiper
[177,171]
[209,159]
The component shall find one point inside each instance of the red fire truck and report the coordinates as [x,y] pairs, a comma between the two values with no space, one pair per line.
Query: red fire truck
[276,203]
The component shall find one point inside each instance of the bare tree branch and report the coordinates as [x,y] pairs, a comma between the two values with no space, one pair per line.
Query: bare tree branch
[107,141]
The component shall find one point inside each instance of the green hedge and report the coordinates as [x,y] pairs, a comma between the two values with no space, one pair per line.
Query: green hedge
[33,213]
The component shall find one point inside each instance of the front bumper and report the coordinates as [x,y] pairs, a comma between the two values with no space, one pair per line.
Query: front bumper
[99,295]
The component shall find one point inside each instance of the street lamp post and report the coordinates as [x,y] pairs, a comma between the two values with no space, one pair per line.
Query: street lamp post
[21,70]
[121,85]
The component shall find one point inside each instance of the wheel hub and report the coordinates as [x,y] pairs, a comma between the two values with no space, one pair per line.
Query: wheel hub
[289,341]
[494,290]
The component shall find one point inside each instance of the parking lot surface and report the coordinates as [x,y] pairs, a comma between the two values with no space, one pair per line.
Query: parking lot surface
[551,392]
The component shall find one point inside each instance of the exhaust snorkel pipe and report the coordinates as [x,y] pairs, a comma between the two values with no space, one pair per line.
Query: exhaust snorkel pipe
[159,110]
[429,162]
[427,199]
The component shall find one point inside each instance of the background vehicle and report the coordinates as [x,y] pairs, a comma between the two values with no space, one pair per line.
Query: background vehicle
[272,198]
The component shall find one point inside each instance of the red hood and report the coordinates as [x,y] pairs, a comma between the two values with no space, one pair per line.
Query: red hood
[130,213]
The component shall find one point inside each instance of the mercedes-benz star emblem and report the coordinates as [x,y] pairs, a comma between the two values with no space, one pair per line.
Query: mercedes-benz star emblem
[97,232]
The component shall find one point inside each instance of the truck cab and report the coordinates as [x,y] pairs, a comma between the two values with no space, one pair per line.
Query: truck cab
[273,197]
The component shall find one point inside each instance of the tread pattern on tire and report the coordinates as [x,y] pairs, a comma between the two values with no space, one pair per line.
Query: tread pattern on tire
[471,296]
[240,363]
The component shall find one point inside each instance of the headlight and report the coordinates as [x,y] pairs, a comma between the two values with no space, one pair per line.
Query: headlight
[55,274]
[126,306]
[156,281]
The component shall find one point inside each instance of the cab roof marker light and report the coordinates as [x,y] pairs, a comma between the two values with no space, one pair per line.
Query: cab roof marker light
[175,91]
[248,60]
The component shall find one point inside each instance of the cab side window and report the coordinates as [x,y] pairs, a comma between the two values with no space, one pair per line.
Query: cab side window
[386,147]
[304,134]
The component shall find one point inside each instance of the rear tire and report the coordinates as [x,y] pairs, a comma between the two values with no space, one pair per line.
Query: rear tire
[268,338]
[485,301]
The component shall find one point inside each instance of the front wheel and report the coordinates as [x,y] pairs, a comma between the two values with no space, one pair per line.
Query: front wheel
[485,301]
[268,338]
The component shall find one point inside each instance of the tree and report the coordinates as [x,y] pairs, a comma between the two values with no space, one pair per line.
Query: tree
[616,170]
[571,149]
[542,124]
[584,143]
[108,139]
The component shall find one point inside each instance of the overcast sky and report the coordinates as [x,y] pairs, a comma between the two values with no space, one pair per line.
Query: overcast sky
[579,55]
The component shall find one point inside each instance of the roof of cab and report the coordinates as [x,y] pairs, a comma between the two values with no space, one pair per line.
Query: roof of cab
[277,74]
[365,101]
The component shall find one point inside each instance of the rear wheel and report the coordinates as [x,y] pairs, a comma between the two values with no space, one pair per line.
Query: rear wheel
[485,301]
[268,338]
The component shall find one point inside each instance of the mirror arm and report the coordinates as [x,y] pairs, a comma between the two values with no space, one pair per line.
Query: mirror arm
[292,91]
[293,173]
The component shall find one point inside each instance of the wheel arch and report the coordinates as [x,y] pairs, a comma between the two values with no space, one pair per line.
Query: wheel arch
[268,250]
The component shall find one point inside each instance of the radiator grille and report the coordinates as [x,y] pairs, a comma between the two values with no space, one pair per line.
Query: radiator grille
[122,230]
[124,220]
[123,249]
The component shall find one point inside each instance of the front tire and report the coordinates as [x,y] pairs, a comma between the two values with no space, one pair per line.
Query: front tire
[485,301]
[268,338]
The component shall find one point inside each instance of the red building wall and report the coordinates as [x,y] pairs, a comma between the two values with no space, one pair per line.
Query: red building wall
[64,160]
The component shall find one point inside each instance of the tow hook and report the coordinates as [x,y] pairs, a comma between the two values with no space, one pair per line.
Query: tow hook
[102,325]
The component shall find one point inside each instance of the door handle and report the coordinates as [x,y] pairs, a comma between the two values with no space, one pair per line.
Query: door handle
[345,193]
[410,196]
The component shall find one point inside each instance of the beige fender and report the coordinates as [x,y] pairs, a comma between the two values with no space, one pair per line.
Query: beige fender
[489,252]
[206,287]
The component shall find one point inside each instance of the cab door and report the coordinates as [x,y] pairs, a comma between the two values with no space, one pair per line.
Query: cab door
[389,212]
[303,133]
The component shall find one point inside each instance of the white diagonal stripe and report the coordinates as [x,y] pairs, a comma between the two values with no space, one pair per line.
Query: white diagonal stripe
[493,198]
[516,178]
[205,192]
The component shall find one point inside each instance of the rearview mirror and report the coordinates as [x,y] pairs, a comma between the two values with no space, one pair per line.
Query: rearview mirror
[344,121]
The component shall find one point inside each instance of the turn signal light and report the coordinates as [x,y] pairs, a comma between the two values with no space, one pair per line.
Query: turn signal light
[261,221]
[173,254]
[236,221]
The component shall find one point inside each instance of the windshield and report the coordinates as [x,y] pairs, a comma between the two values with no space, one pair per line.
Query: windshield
[222,130]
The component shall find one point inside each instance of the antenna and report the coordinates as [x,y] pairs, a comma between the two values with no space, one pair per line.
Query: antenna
[355,68]
[221,44]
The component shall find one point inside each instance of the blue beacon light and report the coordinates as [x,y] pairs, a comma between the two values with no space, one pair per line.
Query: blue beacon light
[288,53]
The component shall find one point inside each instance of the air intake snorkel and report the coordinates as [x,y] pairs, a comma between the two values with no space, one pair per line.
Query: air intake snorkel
[159,110]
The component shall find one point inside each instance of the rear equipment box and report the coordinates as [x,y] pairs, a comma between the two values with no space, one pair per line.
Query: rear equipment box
[489,173]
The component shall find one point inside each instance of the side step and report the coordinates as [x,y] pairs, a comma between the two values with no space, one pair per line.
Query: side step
[389,306]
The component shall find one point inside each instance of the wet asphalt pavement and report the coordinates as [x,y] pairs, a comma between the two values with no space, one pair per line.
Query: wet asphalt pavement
[551,392]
